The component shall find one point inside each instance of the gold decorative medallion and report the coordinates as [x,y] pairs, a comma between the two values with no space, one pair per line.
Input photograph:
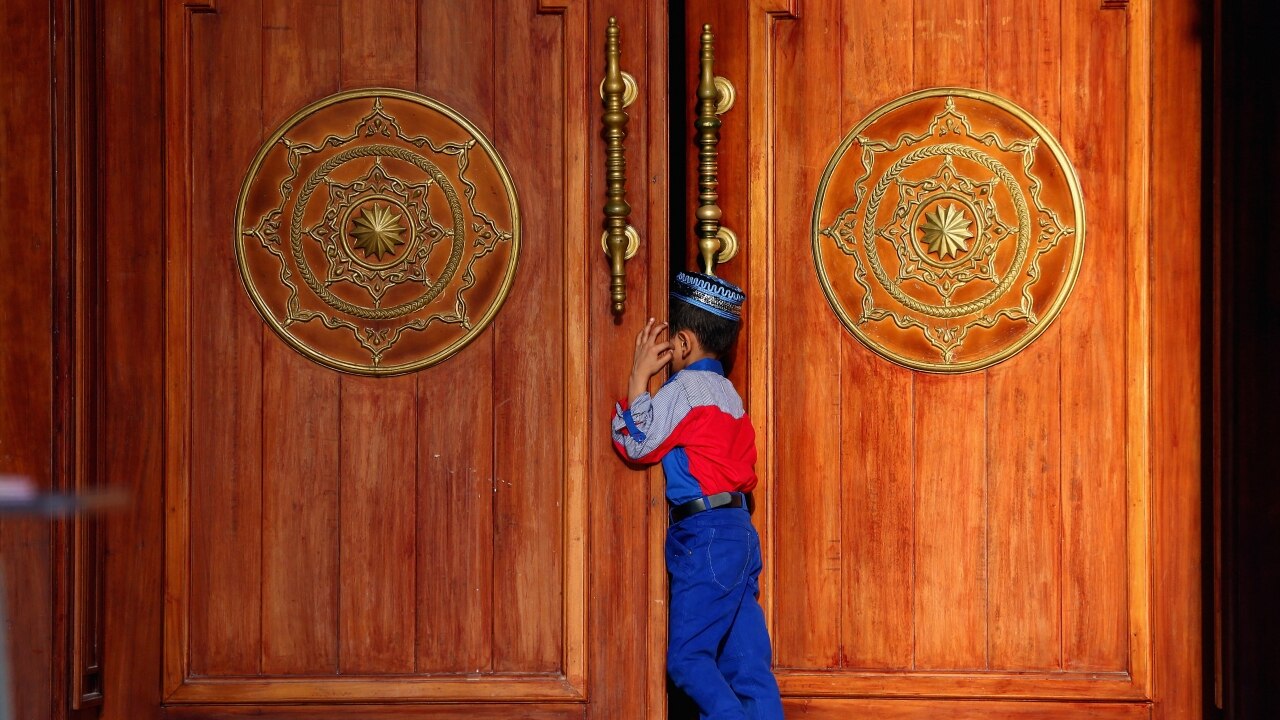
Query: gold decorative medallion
[377,231]
[948,230]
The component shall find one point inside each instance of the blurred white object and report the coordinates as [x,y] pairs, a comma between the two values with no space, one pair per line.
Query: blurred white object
[16,487]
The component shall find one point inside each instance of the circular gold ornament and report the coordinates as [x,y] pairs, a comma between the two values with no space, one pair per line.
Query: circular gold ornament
[377,231]
[948,230]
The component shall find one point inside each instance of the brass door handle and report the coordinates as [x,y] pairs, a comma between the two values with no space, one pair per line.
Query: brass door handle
[716,243]
[620,240]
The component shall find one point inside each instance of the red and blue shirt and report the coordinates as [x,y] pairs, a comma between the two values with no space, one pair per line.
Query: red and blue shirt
[696,426]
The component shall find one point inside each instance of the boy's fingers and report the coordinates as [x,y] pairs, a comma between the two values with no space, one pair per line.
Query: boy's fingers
[645,333]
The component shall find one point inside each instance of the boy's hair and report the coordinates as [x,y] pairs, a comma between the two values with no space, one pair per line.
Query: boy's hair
[717,335]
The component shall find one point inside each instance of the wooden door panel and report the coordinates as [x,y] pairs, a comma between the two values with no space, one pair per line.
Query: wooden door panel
[981,452]
[424,527]
[952,536]
[311,544]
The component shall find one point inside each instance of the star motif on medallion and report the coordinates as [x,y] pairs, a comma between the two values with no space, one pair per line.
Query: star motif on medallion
[946,231]
[378,231]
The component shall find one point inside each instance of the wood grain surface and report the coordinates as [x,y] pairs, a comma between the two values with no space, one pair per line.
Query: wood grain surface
[420,537]
[992,531]
[1024,432]
[133,354]
[300,563]
[27,357]
[805,365]
[455,413]
[1030,532]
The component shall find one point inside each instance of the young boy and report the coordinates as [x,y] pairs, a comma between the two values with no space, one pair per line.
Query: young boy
[695,425]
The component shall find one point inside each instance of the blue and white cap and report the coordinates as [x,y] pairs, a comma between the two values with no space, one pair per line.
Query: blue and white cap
[709,293]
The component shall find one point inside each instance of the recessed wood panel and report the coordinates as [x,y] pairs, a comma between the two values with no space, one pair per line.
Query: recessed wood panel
[334,536]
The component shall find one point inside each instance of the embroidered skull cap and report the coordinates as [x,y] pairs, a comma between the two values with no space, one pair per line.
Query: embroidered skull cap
[710,293]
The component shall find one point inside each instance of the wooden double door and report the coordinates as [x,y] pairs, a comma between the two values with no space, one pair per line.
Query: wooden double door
[461,541]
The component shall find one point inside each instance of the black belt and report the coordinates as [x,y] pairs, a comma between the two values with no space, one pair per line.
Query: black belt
[711,502]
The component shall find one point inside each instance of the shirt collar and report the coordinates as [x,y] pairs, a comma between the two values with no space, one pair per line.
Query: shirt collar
[707,364]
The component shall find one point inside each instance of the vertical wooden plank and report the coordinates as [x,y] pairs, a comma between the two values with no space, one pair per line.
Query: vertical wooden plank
[132,355]
[225,352]
[1023,449]
[27,394]
[877,57]
[641,541]
[529,373]
[378,457]
[379,43]
[1024,393]
[1095,628]
[949,43]
[950,414]
[377,536]
[455,398]
[807,566]
[79,563]
[300,398]
[951,527]
[1176,340]
[876,397]
[1139,360]
[455,510]
[622,601]
[879,512]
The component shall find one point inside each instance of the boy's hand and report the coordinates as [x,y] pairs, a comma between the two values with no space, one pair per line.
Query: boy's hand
[651,356]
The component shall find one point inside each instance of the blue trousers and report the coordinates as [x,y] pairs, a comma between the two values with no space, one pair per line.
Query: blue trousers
[718,646]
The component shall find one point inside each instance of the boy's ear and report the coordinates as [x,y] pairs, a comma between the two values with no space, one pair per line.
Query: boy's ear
[683,342]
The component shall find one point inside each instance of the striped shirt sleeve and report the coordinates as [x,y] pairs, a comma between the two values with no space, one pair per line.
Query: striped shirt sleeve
[646,430]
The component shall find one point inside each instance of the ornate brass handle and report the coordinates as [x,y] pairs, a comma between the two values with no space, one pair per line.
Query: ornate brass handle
[716,243]
[620,239]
